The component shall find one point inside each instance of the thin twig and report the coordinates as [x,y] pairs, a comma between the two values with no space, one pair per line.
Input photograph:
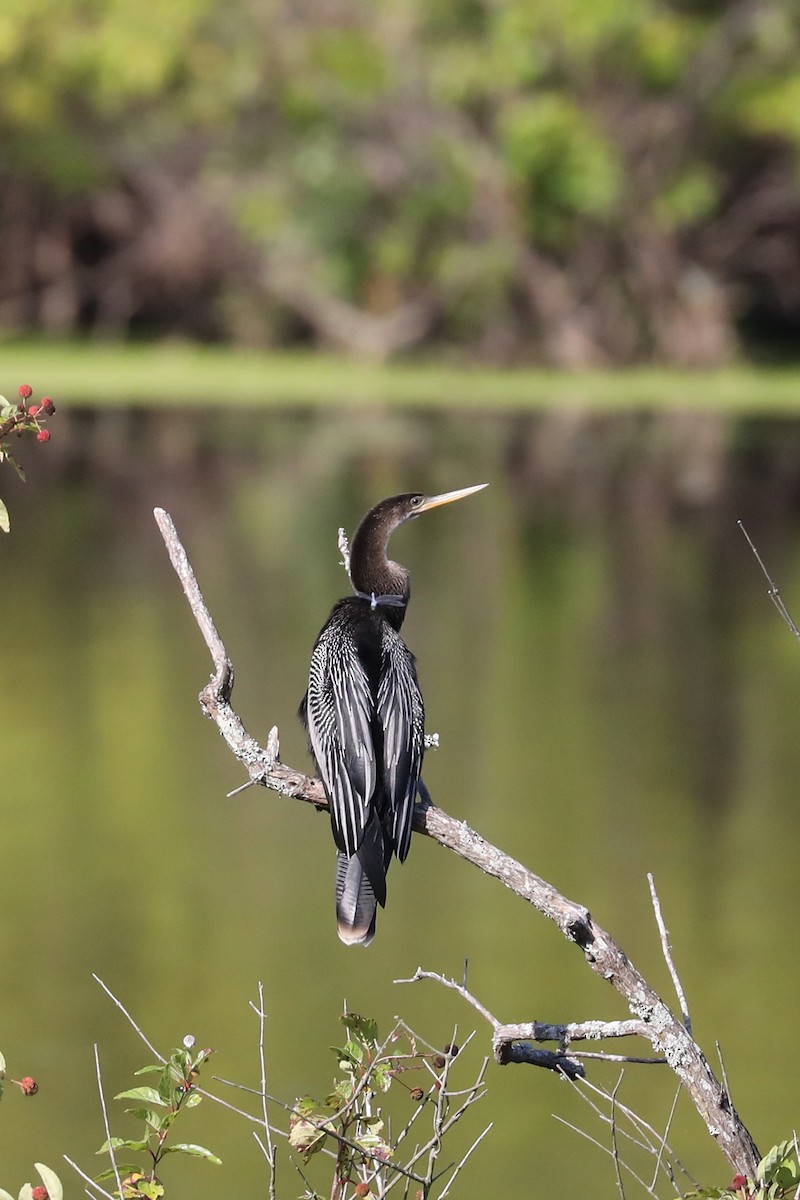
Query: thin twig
[666,950]
[439,1115]
[129,1018]
[647,1138]
[605,1149]
[111,1150]
[663,1144]
[262,1059]
[88,1179]
[773,592]
[201,1091]
[630,1059]
[723,1072]
[183,570]
[463,1160]
[456,987]
[614,1147]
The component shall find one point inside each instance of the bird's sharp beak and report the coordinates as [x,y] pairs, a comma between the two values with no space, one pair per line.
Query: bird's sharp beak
[447,497]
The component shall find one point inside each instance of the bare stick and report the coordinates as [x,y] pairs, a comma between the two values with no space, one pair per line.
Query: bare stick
[183,569]
[645,1136]
[667,952]
[269,1152]
[457,987]
[723,1072]
[666,1033]
[773,592]
[614,1148]
[88,1179]
[663,1144]
[128,1018]
[605,1149]
[460,1164]
[111,1151]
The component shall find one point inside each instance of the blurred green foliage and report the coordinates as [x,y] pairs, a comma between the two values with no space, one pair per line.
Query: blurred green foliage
[503,175]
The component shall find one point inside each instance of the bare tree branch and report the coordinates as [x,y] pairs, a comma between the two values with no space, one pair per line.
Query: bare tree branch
[667,952]
[659,1025]
[773,593]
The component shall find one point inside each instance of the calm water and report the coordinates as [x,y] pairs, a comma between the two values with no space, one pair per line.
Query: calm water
[614,695]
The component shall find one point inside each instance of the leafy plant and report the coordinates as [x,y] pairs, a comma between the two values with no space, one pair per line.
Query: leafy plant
[777,1178]
[158,1108]
[18,419]
[350,1125]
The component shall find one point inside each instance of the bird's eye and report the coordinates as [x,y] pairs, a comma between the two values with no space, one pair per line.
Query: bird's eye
[416,501]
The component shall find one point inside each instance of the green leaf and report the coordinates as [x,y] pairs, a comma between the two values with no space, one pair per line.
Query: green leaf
[148,1094]
[4,522]
[156,1068]
[201,1058]
[50,1181]
[193,1100]
[2,1066]
[116,1143]
[362,1028]
[197,1151]
[341,1094]
[153,1191]
[349,1056]
[786,1175]
[383,1076]
[153,1119]
[5,1195]
[166,1085]
[110,1173]
[16,467]
[373,1122]
[306,1137]
[766,1169]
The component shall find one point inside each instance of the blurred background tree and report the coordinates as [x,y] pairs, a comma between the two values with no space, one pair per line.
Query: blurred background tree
[576,184]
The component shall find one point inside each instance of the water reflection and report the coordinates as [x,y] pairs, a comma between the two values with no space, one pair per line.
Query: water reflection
[613,693]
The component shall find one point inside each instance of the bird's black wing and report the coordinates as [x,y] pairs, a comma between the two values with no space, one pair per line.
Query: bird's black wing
[402,715]
[339,712]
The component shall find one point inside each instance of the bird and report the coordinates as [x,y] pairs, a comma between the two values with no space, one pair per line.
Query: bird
[365,718]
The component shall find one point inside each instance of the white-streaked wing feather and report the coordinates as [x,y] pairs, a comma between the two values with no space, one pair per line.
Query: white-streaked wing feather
[339,716]
[402,715]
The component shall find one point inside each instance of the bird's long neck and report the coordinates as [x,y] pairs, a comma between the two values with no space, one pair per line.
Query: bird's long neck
[371,569]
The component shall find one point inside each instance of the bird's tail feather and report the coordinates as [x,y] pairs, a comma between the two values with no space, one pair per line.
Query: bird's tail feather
[356,906]
[361,885]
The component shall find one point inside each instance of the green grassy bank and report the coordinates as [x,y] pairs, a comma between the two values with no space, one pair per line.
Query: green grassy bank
[184,375]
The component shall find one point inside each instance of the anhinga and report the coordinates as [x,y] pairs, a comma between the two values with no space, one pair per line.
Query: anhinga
[365,717]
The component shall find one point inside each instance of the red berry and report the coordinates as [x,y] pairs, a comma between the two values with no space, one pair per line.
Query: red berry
[43,435]
[29,1086]
[738,1181]
[361,1189]
[40,1193]
[48,406]
[25,391]
[33,410]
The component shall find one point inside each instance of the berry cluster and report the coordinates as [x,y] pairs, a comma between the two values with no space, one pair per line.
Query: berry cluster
[21,417]
[24,417]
